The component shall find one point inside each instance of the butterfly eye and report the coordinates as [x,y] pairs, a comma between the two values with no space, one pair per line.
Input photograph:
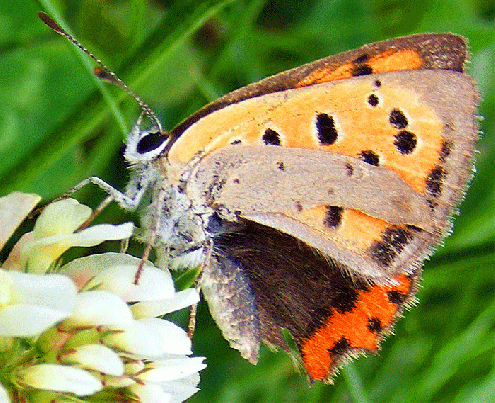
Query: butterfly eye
[143,146]
[150,142]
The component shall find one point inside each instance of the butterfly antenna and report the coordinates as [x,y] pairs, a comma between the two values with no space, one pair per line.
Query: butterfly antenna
[102,71]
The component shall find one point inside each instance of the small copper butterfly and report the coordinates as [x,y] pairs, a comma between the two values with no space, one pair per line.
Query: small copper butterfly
[311,198]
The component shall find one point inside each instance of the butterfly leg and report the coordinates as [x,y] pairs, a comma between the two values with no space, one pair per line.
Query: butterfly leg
[197,284]
[154,230]
[128,201]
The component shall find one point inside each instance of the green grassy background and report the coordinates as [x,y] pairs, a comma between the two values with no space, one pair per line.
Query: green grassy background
[58,125]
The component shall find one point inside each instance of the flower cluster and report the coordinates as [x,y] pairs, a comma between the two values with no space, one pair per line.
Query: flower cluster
[88,329]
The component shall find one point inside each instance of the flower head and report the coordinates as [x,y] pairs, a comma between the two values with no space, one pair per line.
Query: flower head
[91,330]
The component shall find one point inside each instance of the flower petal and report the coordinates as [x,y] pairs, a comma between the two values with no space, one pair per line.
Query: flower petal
[59,378]
[95,357]
[99,233]
[23,320]
[150,393]
[171,369]
[41,253]
[181,299]
[116,272]
[61,217]
[14,208]
[53,290]
[31,303]
[99,308]
[4,395]
[15,260]
[150,338]
[181,389]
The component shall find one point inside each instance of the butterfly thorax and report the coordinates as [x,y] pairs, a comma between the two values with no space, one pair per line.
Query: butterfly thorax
[180,236]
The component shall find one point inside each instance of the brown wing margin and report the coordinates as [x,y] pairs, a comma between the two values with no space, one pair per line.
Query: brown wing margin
[424,51]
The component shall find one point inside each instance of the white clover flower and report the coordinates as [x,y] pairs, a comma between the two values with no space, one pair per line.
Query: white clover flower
[54,233]
[171,369]
[150,338]
[105,338]
[95,308]
[180,300]
[175,391]
[95,357]
[31,303]
[14,208]
[4,395]
[154,294]
[59,378]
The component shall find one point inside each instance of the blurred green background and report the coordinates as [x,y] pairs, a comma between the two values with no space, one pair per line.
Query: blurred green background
[57,128]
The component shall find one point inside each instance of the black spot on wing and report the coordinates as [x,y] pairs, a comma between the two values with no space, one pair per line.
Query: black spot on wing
[361,70]
[397,119]
[375,325]
[405,142]
[373,100]
[362,59]
[326,130]
[445,151]
[341,347]
[393,241]
[346,301]
[333,216]
[271,137]
[396,297]
[435,180]
[370,157]
[350,169]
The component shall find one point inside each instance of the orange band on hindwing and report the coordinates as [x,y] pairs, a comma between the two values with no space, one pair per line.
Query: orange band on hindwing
[354,331]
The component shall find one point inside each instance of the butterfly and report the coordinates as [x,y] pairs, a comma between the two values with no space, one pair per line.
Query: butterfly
[311,198]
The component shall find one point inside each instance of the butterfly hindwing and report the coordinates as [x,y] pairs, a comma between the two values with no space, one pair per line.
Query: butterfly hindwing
[330,315]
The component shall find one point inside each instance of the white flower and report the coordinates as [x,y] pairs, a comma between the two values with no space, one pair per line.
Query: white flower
[4,396]
[31,303]
[95,357]
[59,378]
[107,336]
[175,391]
[116,272]
[14,208]
[54,233]
[156,368]
[180,300]
[94,308]
[171,369]
[150,338]
[154,294]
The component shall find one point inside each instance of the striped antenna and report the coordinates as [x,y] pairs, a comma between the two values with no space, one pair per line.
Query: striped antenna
[102,71]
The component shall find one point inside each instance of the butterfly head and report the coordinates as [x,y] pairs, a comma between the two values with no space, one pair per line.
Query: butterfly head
[143,145]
